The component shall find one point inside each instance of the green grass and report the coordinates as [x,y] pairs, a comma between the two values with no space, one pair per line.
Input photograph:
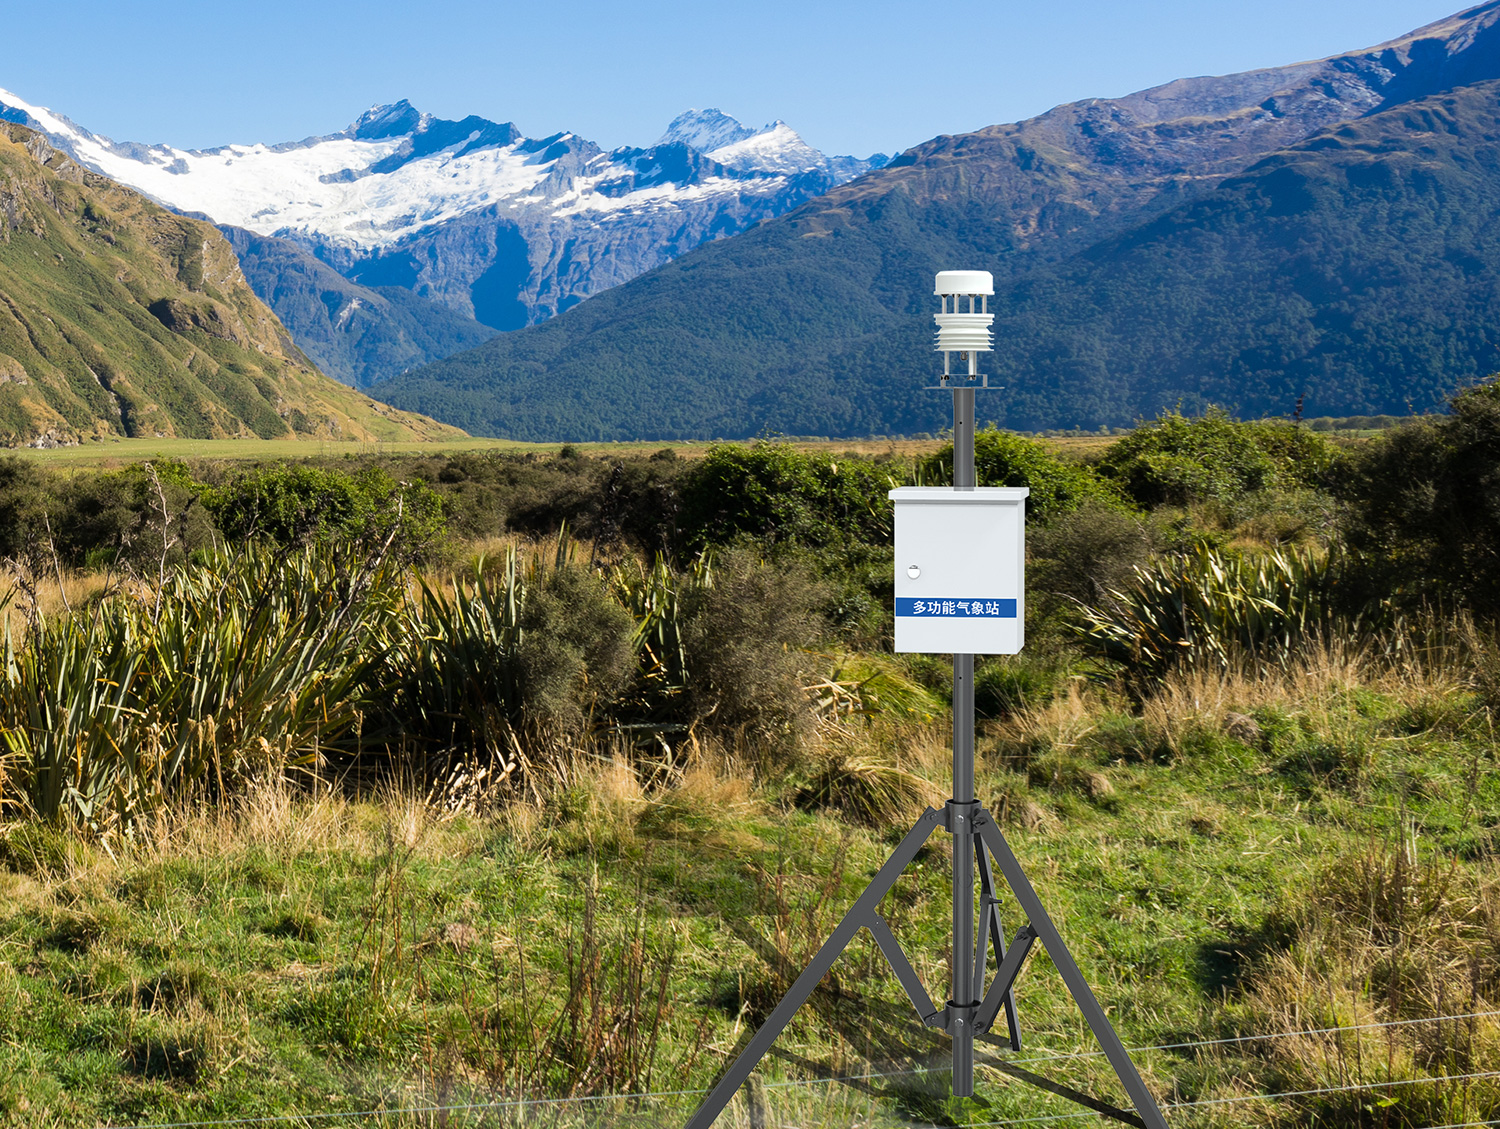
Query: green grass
[297,955]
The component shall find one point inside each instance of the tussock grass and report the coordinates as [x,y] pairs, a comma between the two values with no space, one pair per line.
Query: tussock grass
[1233,847]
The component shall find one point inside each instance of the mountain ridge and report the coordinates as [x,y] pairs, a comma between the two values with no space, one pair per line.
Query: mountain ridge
[812,306]
[457,211]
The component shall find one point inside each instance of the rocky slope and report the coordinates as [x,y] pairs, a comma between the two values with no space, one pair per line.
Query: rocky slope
[497,228]
[823,324]
[119,318]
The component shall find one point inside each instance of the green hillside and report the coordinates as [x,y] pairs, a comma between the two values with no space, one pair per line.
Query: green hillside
[118,318]
[1356,267]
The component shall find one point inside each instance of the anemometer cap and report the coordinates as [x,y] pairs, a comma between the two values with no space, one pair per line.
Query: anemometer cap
[965,282]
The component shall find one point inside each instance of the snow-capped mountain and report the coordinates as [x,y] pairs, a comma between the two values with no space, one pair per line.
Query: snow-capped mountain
[774,148]
[472,214]
[705,130]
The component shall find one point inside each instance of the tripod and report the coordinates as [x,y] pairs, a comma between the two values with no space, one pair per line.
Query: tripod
[976,841]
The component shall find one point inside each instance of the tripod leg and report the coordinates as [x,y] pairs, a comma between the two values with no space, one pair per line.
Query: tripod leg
[1083,995]
[990,922]
[930,1014]
[856,919]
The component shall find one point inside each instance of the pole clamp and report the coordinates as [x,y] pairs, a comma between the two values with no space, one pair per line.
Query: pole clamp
[960,816]
[956,1017]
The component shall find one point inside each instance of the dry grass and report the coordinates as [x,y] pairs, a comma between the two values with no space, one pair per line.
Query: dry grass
[1380,934]
[607,808]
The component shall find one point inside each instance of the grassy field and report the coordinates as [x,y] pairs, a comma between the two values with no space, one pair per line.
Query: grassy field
[286,835]
[1237,856]
[121,452]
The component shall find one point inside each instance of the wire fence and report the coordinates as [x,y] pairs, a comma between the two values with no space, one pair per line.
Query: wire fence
[599,1099]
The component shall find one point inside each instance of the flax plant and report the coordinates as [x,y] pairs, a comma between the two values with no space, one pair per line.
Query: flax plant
[1207,608]
[236,665]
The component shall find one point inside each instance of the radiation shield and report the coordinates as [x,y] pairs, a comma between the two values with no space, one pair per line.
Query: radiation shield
[960,569]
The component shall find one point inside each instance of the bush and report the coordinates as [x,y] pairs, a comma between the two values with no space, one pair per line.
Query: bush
[1423,508]
[473,672]
[136,517]
[574,647]
[1085,554]
[27,502]
[744,637]
[1003,459]
[300,504]
[776,495]
[1178,461]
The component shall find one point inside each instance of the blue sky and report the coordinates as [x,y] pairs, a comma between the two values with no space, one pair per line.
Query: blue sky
[851,77]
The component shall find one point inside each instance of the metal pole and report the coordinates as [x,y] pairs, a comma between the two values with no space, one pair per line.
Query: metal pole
[962,807]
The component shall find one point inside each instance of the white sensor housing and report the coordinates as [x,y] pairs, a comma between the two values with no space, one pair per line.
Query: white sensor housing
[965,321]
[963,326]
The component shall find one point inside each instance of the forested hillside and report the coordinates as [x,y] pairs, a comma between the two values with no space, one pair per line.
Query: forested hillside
[1360,270]
[354,333]
[1318,233]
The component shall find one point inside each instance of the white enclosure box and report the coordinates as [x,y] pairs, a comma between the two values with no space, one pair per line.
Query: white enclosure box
[960,569]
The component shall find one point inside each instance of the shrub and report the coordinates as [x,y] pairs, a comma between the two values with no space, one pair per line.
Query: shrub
[1085,554]
[744,637]
[1003,459]
[137,517]
[574,646]
[297,504]
[776,495]
[1178,461]
[27,502]
[1423,508]
[474,672]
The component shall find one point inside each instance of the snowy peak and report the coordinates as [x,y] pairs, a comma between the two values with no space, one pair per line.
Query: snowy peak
[705,130]
[426,134]
[776,149]
[388,121]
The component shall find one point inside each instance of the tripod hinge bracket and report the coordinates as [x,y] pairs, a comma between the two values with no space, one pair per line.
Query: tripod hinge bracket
[954,1017]
[961,817]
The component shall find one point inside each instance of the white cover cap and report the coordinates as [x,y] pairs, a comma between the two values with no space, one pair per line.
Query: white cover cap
[965,282]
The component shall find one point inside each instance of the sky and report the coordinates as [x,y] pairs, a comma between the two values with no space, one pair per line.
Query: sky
[852,78]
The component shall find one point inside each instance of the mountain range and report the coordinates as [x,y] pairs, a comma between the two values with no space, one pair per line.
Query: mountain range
[119,318]
[1318,233]
[406,237]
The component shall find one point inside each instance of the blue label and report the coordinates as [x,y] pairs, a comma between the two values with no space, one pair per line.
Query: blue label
[956,609]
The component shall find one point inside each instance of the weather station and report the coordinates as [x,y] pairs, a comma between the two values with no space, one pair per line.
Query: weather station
[960,590]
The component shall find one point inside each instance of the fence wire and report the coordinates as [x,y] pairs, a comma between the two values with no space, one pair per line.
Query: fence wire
[281,1119]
